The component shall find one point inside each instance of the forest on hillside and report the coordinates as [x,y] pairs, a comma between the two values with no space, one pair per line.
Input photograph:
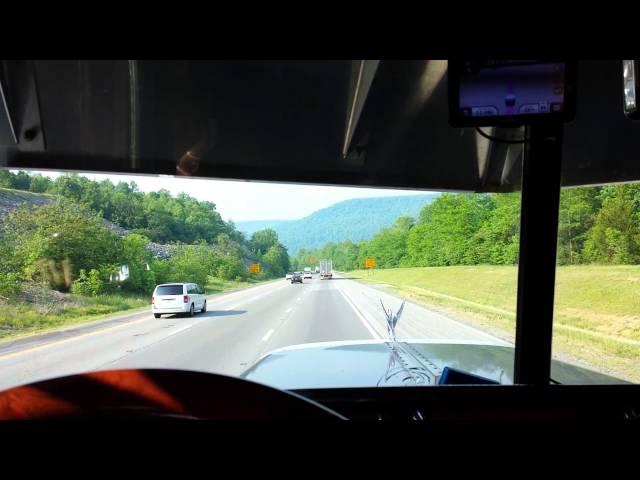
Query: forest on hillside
[355,219]
[596,225]
[66,244]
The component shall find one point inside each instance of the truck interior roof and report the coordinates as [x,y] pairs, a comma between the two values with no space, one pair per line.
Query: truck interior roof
[323,122]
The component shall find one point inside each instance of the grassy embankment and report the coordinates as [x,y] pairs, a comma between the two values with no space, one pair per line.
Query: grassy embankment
[597,308]
[36,310]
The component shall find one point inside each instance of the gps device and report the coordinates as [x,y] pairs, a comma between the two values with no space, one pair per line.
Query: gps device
[510,92]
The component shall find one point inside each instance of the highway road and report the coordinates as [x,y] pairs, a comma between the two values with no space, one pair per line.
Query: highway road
[238,329]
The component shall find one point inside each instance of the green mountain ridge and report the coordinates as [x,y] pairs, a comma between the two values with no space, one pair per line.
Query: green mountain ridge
[356,219]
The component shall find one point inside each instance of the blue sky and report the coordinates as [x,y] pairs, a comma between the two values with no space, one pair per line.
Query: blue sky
[243,200]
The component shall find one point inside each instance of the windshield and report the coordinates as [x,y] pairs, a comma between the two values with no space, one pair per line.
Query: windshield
[386,286]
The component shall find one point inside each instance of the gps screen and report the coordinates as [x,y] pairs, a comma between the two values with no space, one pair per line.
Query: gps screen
[510,88]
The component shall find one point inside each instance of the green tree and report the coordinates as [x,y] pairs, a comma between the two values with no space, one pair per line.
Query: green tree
[234,234]
[227,246]
[70,186]
[445,231]
[388,247]
[9,285]
[138,260]
[615,235]
[345,256]
[88,284]
[21,181]
[497,239]
[125,201]
[5,178]
[162,270]
[40,184]
[578,208]
[263,240]
[277,260]
[404,223]
[231,268]
[58,232]
[192,263]
[302,257]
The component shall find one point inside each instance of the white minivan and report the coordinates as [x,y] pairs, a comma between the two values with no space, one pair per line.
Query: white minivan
[172,298]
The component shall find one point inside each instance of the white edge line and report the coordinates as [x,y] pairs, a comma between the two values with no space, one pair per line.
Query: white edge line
[364,321]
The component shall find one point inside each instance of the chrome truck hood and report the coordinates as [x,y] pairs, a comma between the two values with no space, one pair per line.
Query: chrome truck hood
[350,364]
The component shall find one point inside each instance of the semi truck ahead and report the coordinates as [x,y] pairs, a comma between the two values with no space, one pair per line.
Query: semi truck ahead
[326,269]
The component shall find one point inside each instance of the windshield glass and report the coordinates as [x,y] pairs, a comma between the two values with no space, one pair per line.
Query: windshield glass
[389,287]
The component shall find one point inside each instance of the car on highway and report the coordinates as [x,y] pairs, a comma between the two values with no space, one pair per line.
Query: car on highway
[296,278]
[178,298]
[288,276]
[308,275]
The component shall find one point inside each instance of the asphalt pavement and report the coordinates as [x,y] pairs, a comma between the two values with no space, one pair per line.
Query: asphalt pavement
[237,330]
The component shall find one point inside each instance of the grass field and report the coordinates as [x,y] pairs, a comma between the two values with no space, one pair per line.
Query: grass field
[45,310]
[597,308]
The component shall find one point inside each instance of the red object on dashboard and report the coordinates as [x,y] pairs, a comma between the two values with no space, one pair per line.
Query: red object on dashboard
[152,393]
[72,395]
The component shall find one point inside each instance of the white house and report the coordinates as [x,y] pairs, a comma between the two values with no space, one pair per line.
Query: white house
[121,275]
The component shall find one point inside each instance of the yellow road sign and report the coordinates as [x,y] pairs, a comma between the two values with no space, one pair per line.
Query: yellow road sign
[370,263]
[254,268]
[312,261]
